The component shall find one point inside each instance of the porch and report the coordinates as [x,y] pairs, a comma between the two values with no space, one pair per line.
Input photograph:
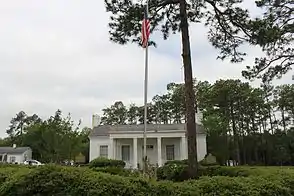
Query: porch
[159,150]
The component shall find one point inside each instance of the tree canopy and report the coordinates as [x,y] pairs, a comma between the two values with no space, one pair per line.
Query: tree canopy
[229,27]
[224,19]
[171,16]
[55,139]
[247,124]
[274,33]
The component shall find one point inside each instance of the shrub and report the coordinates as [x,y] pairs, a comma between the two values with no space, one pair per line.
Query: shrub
[72,181]
[178,172]
[104,162]
[205,162]
[6,173]
[58,181]
[53,180]
[222,171]
[173,172]
[118,171]
[253,186]
[177,162]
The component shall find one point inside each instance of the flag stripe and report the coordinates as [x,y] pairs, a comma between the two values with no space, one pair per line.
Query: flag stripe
[145,29]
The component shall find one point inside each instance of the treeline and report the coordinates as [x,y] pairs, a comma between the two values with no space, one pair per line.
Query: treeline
[55,139]
[247,124]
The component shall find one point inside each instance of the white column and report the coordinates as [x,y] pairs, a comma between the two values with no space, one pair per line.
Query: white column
[114,148]
[159,158]
[135,153]
[110,148]
[184,148]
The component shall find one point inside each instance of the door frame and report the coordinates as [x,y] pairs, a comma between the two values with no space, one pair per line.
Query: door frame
[121,151]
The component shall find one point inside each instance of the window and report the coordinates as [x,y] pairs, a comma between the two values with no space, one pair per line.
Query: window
[104,151]
[148,147]
[170,152]
[125,153]
[12,159]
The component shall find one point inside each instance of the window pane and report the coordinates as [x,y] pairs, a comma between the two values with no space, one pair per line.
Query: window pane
[170,152]
[125,152]
[104,151]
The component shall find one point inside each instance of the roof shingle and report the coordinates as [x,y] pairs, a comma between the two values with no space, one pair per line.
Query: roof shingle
[11,150]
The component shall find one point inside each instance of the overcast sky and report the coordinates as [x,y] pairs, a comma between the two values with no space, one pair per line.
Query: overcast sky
[56,54]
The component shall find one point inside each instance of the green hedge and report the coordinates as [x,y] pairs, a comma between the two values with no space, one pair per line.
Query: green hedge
[72,181]
[177,171]
[205,162]
[177,162]
[104,162]
[117,171]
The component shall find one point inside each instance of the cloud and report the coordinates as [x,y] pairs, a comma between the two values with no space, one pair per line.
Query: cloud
[57,55]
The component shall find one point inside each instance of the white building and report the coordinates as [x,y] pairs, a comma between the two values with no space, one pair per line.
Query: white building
[125,142]
[15,154]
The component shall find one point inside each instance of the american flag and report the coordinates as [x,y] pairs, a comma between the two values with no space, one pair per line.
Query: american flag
[145,28]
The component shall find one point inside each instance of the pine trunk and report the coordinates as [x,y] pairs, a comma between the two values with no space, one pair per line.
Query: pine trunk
[235,134]
[283,119]
[189,93]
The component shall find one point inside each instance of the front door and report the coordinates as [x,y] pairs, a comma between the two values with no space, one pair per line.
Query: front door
[126,154]
[151,154]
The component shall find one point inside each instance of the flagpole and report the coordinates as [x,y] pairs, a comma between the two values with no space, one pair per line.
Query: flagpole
[145,104]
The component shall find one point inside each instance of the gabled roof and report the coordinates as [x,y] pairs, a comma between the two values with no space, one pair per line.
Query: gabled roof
[11,150]
[105,130]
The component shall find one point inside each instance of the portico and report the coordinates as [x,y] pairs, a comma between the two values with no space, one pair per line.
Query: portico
[125,142]
[159,149]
